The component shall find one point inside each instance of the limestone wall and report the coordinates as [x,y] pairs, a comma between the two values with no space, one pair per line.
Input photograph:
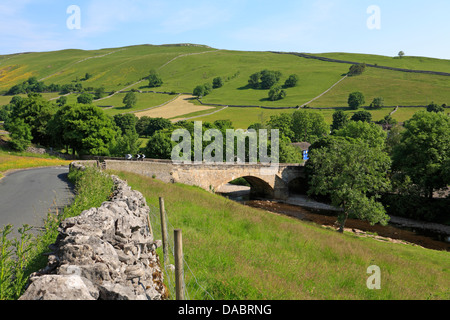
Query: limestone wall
[106,253]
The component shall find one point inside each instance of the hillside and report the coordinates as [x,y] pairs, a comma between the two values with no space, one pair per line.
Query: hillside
[182,67]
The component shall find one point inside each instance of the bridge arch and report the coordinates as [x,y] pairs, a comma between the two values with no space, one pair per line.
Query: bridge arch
[298,185]
[259,188]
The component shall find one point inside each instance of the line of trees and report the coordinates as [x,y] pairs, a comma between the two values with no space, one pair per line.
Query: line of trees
[84,129]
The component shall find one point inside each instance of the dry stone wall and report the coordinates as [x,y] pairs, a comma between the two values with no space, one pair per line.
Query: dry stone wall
[106,253]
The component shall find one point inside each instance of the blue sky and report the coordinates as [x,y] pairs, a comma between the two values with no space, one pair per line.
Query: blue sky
[419,28]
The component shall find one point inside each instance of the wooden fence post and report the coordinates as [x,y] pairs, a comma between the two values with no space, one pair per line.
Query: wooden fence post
[179,266]
[162,212]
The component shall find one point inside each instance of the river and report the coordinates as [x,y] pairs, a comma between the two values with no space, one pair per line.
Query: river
[427,235]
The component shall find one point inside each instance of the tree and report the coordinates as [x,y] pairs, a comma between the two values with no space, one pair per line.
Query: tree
[217,82]
[85,98]
[160,145]
[127,141]
[276,93]
[84,128]
[199,91]
[269,78]
[308,126]
[253,81]
[154,79]
[377,102]
[353,175]
[36,112]
[99,93]
[401,54]
[355,100]
[291,81]
[20,135]
[340,119]
[264,79]
[284,123]
[433,107]
[424,151]
[61,101]
[146,126]
[370,133]
[357,69]
[364,116]
[130,100]
[203,90]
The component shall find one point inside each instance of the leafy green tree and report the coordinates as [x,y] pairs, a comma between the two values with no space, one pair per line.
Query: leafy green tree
[61,101]
[160,145]
[433,107]
[254,79]
[370,133]
[154,79]
[146,126]
[130,100]
[377,102]
[36,112]
[99,93]
[20,134]
[86,129]
[364,116]
[309,126]
[340,119]
[269,78]
[217,82]
[284,123]
[85,98]
[357,69]
[353,175]
[291,81]
[401,54]
[424,151]
[276,93]
[356,100]
[264,79]
[199,91]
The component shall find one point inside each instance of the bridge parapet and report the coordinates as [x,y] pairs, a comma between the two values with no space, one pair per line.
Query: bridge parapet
[267,181]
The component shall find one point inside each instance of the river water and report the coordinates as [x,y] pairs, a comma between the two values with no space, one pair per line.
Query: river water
[429,236]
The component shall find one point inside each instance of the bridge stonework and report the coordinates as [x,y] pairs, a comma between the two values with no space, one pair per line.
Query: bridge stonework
[266,181]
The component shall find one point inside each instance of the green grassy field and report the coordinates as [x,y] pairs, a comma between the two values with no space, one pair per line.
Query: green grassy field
[184,67]
[238,252]
[414,63]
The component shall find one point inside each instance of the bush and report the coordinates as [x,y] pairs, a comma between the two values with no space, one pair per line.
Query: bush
[85,98]
[377,103]
[357,69]
[291,81]
[217,83]
[355,100]
[276,93]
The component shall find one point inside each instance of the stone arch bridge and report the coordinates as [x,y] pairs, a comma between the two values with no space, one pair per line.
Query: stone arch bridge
[265,181]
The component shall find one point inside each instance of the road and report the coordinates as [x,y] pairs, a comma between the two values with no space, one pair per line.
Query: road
[26,196]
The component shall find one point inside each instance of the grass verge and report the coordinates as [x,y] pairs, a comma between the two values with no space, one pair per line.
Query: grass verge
[242,253]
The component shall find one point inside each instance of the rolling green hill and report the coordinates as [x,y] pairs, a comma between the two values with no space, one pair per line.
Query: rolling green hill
[182,67]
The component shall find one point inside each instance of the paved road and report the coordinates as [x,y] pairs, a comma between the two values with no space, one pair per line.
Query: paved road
[26,196]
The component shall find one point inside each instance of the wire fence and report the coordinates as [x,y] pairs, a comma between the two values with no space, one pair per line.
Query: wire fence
[193,290]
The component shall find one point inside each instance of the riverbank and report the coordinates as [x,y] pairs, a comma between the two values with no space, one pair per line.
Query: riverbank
[400,230]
